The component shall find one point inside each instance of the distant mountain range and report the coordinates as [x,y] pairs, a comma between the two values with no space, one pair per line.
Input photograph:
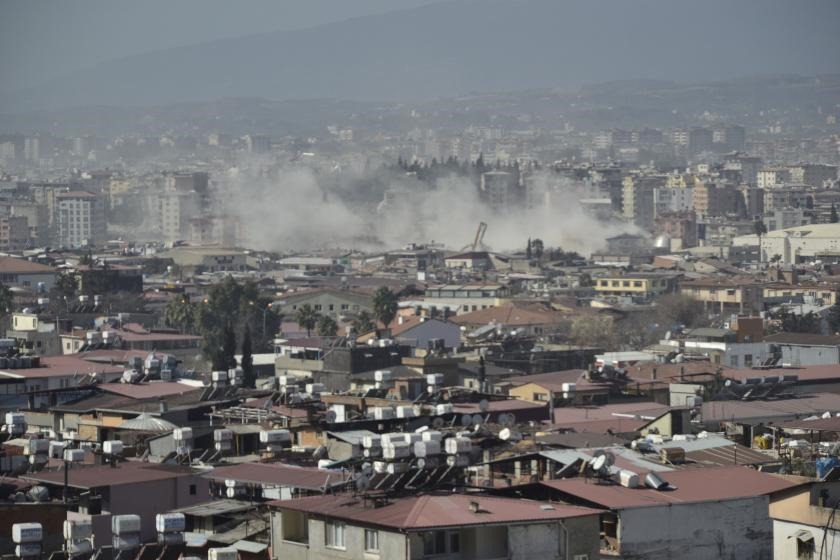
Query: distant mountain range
[464,46]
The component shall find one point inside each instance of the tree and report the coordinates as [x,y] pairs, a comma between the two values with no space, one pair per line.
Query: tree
[249,376]
[307,317]
[180,313]
[327,326]
[538,248]
[363,323]
[5,299]
[229,348]
[833,318]
[385,305]
[809,323]
[760,228]
[833,218]
[228,307]
[677,309]
[528,250]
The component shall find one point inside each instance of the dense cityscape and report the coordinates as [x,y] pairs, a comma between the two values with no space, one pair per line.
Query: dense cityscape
[591,321]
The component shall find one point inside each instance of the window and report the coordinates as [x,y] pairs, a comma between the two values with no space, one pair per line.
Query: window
[193,490]
[334,534]
[371,540]
[441,542]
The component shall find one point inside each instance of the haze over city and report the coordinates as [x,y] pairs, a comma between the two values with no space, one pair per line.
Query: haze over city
[419,279]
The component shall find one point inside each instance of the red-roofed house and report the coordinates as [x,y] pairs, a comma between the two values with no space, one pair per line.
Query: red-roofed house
[445,525]
[703,513]
[24,274]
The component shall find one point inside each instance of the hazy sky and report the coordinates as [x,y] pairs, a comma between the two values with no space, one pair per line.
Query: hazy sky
[40,39]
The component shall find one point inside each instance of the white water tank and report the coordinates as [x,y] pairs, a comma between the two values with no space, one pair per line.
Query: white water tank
[27,533]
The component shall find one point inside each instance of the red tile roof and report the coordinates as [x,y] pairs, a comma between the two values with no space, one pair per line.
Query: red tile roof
[60,366]
[128,472]
[511,315]
[428,511]
[689,486]
[12,265]
[148,390]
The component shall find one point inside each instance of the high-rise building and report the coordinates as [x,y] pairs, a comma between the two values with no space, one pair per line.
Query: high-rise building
[14,233]
[700,140]
[735,137]
[637,201]
[257,144]
[174,211]
[81,219]
[498,189]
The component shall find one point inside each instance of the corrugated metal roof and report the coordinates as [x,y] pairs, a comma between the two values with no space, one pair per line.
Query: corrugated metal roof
[429,511]
[278,474]
[689,486]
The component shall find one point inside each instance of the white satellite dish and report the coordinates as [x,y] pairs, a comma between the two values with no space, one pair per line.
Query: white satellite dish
[599,462]
[367,469]
[483,405]
[466,420]
[504,434]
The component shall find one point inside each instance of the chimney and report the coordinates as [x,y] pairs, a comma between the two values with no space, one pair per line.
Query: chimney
[653,373]
[474,507]
[164,408]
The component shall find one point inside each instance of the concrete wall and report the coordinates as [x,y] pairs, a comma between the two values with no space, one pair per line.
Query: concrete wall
[165,495]
[392,545]
[734,529]
[785,542]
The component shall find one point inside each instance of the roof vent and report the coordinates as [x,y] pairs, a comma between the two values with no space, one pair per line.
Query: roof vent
[474,507]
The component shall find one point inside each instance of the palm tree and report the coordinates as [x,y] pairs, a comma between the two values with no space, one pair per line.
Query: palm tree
[760,228]
[180,313]
[327,326]
[385,305]
[5,299]
[307,317]
[363,323]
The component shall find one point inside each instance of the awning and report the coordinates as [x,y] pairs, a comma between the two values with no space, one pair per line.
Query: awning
[803,535]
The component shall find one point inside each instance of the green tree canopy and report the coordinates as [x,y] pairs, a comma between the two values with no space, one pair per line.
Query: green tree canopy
[385,305]
[327,326]
[307,318]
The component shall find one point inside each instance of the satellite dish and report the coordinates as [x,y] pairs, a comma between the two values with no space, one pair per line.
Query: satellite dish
[367,469]
[421,463]
[331,416]
[437,423]
[319,453]
[599,462]
[477,419]
[511,417]
[483,405]
[610,458]
[466,420]
[503,419]
[504,434]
